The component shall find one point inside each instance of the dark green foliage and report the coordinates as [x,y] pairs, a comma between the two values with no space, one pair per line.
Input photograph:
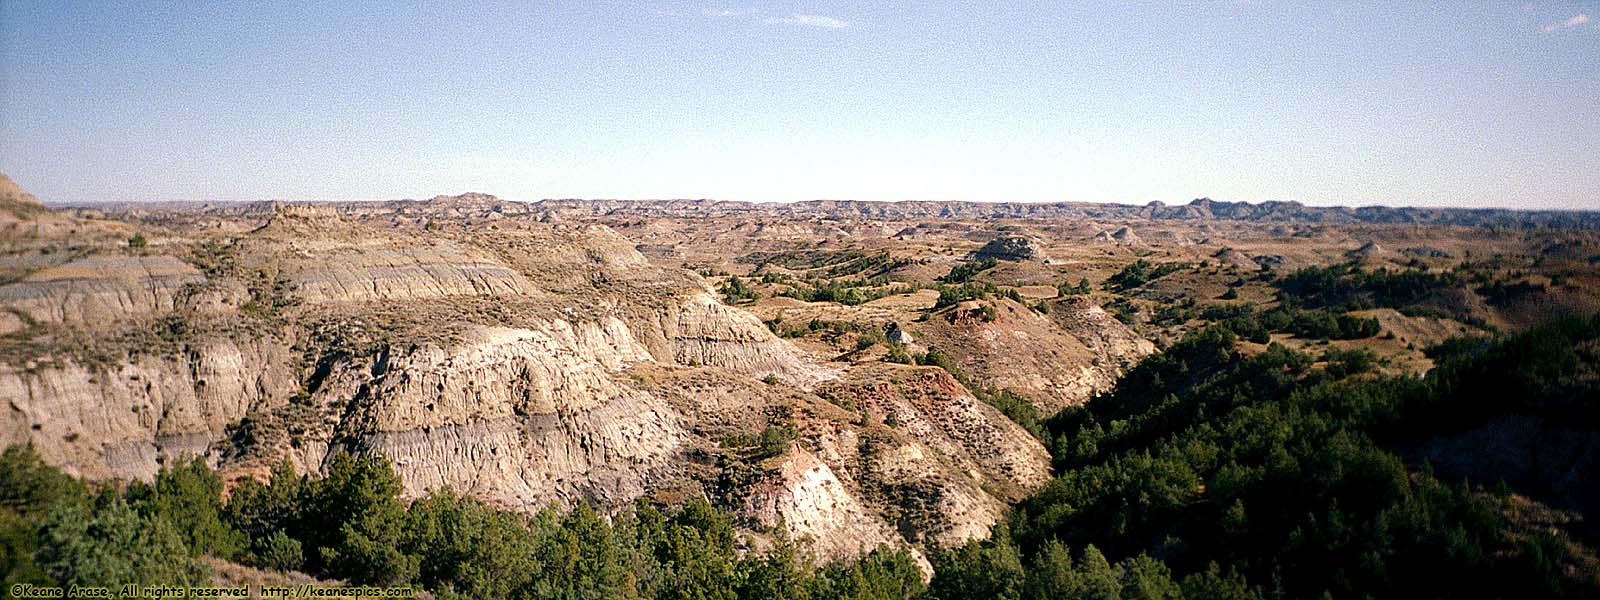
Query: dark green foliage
[578,555]
[1344,363]
[466,547]
[1505,293]
[29,489]
[987,313]
[1323,325]
[189,496]
[1123,310]
[846,292]
[269,294]
[1138,273]
[869,266]
[696,552]
[1081,288]
[114,544]
[1282,474]
[1547,378]
[263,513]
[897,354]
[352,521]
[278,552]
[883,574]
[997,569]
[964,272]
[734,291]
[979,569]
[138,241]
[952,295]
[1244,322]
[772,441]
[352,525]
[1349,287]
[1145,578]
[1212,584]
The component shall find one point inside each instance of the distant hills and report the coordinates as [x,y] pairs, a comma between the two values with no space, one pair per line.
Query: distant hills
[1203,208]
[1198,209]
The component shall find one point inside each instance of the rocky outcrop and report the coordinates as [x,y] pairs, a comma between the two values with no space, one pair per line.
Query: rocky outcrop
[525,364]
[1075,350]
[804,496]
[517,417]
[120,420]
[1234,258]
[16,204]
[703,331]
[99,289]
[355,274]
[33,237]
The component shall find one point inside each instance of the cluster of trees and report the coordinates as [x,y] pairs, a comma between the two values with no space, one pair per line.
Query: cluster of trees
[965,271]
[1505,293]
[846,292]
[1080,289]
[1321,324]
[951,295]
[1244,321]
[1140,272]
[1208,473]
[1350,287]
[868,266]
[735,291]
[352,525]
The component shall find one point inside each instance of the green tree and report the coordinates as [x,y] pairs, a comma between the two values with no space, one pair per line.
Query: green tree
[1051,573]
[467,547]
[1211,584]
[1145,578]
[578,556]
[697,555]
[1096,579]
[188,495]
[354,521]
[986,569]
[269,515]
[29,490]
[777,575]
[883,574]
[114,545]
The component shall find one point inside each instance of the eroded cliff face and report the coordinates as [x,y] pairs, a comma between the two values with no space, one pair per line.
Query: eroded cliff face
[524,363]
[1054,360]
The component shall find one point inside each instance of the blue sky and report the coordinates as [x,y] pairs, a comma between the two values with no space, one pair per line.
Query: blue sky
[1400,103]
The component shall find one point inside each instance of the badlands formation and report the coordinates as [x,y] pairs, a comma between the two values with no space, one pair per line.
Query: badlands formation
[813,367]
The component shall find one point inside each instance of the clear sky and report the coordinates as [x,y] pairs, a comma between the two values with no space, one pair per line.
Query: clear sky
[1401,103]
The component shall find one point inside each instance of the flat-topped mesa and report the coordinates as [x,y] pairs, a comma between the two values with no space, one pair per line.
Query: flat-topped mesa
[293,216]
[466,199]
